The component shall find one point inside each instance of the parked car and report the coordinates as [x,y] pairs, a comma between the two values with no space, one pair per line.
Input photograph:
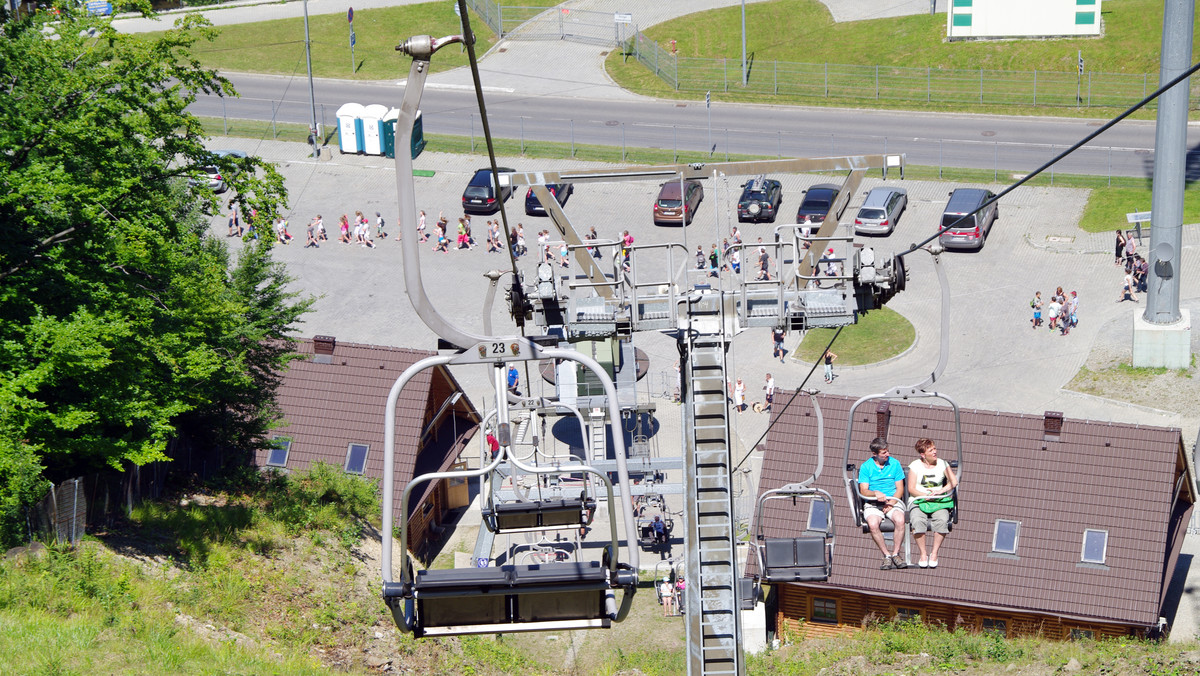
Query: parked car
[971,225]
[212,173]
[671,209]
[818,200]
[880,211]
[760,200]
[561,192]
[480,195]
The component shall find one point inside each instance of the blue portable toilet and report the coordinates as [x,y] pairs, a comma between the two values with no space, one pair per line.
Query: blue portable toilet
[350,128]
[372,128]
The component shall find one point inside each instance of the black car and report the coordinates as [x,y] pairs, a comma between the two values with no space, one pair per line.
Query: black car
[480,195]
[561,192]
[818,200]
[760,200]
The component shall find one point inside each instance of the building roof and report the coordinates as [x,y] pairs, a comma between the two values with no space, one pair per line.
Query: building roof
[1097,475]
[329,401]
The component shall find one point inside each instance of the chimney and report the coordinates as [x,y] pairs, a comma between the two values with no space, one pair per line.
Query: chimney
[1052,426]
[323,349]
[882,417]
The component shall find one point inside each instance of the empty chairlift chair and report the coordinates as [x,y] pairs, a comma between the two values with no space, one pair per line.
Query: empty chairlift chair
[805,558]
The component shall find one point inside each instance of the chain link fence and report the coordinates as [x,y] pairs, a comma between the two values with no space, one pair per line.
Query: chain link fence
[896,84]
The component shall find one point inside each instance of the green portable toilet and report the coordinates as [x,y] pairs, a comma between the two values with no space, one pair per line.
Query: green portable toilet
[389,132]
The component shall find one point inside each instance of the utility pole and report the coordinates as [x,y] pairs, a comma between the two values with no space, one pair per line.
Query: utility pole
[1162,334]
[313,132]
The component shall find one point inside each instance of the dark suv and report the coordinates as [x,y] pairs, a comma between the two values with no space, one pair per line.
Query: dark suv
[760,200]
[480,195]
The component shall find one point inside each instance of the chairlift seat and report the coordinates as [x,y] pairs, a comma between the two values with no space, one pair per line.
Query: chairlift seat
[516,598]
[557,513]
[802,559]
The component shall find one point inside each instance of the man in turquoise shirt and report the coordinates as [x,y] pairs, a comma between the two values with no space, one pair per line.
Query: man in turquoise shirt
[881,485]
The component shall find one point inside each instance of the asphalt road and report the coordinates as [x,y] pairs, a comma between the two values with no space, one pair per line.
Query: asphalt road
[1003,143]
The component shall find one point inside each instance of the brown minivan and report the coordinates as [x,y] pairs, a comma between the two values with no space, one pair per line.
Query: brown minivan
[669,209]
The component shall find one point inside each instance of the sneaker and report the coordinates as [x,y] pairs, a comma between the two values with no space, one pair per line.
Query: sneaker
[888,564]
[899,562]
[923,563]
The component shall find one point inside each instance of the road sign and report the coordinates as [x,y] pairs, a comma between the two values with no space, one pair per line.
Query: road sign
[1138,217]
[351,38]
[350,15]
[708,99]
[619,17]
[1081,63]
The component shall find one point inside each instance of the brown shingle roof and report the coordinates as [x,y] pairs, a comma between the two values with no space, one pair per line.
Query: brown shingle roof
[327,406]
[1103,475]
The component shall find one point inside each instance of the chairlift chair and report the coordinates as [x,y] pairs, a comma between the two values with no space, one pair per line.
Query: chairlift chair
[905,392]
[806,558]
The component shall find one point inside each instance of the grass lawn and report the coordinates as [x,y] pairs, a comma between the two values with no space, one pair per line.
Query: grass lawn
[241,47]
[877,336]
[803,31]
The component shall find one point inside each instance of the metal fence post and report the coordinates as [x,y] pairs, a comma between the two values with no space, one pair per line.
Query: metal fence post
[522,134]
[725,72]
[675,147]
[928,83]
[777,77]
[940,142]
[726,144]
[877,82]
[75,513]
[1089,89]
[572,138]
[622,141]
[500,20]
[981,85]
[996,164]
[274,134]
[1035,87]
[826,79]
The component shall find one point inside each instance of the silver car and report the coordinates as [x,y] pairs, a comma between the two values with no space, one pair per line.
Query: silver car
[880,211]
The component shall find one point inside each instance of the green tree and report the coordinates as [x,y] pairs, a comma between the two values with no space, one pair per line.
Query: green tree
[119,318]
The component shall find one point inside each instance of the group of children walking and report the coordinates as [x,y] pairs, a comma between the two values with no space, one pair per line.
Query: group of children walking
[1062,311]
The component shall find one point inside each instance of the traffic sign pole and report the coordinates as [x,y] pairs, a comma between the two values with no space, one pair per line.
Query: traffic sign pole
[350,19]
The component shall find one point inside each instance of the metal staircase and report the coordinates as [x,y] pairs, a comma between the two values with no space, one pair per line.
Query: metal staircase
[713,620]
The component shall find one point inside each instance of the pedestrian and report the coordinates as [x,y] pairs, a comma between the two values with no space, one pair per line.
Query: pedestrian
[235,222]
[735,235]
[543,236]
[1130,250]
[514,380]
[311,236]
[1036,304]
[344,225]
[713,262]
[442,242]
[366,234]
[320,226]
[462,242]
[592,237]
[470,237]
[1070,315]
[735,259]
[829,357]
[1120,249]
[564,255]
[701,259]
[285,237]
[777,335]
[379,233]
[1129,290]
[769,388]
[1141,271]
[421,235]
[1054,309]
[737,393]
[764,263]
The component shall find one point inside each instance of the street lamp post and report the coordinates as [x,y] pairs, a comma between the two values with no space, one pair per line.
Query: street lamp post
[312,98]
[745,75]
